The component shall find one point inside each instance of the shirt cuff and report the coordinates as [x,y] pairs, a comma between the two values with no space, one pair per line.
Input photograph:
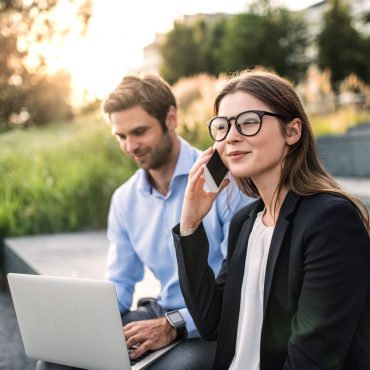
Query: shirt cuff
[189,323]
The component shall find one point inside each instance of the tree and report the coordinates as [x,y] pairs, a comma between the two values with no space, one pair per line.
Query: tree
[191,49]
[24,88]
[270,37]
[216,34]
[182,52]
[341,48]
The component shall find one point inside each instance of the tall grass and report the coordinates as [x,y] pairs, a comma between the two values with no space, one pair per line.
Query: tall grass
[59,178]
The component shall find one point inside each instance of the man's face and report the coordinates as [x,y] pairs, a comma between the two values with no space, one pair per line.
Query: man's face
[141,137]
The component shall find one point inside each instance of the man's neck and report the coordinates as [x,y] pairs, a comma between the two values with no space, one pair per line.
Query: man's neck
[161,177]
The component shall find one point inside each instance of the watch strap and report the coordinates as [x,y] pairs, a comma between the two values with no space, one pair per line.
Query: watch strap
[181,333]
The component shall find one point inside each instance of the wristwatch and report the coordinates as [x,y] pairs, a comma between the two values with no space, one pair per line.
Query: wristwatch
[176,320]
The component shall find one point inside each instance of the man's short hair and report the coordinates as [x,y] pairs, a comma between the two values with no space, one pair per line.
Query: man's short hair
[150,92]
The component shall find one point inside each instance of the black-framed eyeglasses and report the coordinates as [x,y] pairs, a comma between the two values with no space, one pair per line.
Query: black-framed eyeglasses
[247,123]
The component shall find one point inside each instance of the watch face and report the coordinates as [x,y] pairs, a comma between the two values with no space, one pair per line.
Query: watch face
[175,318]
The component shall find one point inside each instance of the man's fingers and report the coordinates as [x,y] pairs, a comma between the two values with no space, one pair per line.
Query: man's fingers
[133,340]
[146,335]
[129,331]
[140,350]
[131,325]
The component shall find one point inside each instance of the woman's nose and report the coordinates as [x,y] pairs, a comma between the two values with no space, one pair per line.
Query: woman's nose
[233,134]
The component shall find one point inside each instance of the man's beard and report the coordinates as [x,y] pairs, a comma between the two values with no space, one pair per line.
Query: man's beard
[159,155]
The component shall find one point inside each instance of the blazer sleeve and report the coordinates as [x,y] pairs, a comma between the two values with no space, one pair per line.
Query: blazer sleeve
[202,294]
[336,280]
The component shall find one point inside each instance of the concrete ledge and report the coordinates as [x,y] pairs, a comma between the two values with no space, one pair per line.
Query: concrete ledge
[359,187]
[81,254]
[348,154]
[70,254]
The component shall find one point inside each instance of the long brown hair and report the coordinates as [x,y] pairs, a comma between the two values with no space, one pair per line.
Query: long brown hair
[302,171]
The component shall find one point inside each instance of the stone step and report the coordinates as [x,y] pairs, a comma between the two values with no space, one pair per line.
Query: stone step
[80,254]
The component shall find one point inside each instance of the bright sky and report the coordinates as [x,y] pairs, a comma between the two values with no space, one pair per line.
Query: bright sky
[118,31]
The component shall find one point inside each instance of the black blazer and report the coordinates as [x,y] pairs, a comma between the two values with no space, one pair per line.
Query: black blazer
[316,292]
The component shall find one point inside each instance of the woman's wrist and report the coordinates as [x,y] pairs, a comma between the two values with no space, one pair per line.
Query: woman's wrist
[186,230]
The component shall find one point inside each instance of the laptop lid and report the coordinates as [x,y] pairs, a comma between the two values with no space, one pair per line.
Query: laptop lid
[71,321]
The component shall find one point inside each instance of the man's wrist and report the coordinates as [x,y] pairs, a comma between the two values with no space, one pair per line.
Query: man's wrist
[171,331]
[177,322]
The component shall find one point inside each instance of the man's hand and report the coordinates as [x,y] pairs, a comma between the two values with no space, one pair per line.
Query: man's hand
[149,335]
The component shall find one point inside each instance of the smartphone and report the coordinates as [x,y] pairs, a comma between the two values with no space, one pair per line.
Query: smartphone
[214,172]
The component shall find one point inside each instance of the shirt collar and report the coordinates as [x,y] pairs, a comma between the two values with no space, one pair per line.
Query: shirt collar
[184,163]
[186,159]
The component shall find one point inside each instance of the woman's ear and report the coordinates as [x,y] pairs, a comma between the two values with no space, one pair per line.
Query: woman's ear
[293,131]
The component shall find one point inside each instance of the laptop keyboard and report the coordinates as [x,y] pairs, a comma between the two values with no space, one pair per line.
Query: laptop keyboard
[136,360]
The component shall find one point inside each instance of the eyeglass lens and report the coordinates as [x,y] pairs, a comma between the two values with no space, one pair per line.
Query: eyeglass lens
[247,124]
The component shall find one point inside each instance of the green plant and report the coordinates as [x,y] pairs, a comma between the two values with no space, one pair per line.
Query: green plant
[59,178]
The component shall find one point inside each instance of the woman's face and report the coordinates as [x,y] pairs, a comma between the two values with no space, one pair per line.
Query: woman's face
[258,157]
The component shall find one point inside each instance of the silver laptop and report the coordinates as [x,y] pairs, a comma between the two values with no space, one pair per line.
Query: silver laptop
[73,322]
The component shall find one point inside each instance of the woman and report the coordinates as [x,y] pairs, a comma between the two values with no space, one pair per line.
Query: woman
[293,292]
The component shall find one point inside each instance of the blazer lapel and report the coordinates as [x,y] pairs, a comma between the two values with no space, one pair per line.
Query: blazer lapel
[232,291]
[282,224]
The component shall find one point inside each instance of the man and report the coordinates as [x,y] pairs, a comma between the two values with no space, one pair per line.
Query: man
[143,117]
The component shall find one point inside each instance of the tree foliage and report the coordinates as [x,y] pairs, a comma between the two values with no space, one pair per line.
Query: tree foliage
[275,39]
[264,36]
[189,49]
[341,48]
[27,93]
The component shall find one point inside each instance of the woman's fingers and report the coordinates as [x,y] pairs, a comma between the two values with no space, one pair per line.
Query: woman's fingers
[208,151]
[196,176]
[202,160]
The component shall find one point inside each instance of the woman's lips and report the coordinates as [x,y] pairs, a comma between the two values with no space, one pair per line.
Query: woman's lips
[236,155]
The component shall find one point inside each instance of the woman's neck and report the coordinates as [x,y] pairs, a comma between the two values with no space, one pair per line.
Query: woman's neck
[272,197]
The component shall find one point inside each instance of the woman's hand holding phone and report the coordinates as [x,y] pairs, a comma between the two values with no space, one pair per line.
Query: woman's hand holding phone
[197,201]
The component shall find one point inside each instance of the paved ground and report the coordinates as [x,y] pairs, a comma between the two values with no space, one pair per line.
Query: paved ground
[12,356]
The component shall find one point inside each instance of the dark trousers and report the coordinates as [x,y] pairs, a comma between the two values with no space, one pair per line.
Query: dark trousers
[190,354]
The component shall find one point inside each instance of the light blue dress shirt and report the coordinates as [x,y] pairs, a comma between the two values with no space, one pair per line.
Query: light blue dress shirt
[139,231]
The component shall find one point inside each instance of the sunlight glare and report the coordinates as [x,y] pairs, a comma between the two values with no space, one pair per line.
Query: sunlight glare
[114,42]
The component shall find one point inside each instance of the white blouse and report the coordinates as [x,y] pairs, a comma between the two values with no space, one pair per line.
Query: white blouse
[248,340]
